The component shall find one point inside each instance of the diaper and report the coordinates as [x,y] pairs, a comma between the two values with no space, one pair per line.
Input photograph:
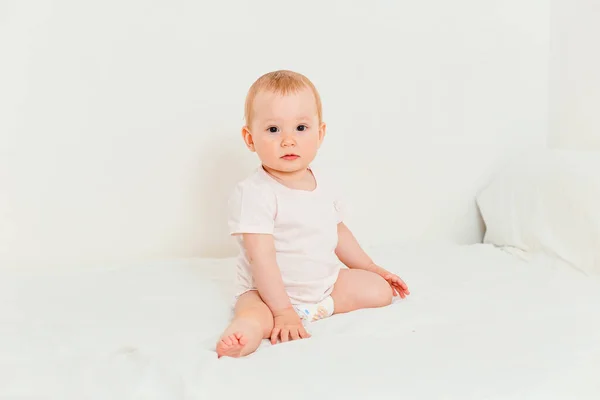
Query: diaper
[306,312]
[315,312]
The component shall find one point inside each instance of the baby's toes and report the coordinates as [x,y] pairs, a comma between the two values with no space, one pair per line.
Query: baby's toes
[227,340]
[241,339]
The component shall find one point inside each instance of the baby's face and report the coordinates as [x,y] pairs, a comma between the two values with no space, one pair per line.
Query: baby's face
[285,130]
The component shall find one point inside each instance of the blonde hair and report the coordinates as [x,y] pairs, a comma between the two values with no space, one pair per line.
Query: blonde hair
[281,82]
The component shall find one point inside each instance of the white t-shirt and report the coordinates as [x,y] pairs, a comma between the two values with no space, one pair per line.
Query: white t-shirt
[304,228]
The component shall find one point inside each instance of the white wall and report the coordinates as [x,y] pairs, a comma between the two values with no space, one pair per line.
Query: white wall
[120,120]
[575,75]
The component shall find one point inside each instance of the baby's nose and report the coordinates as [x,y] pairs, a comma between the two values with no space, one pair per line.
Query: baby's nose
[287,140]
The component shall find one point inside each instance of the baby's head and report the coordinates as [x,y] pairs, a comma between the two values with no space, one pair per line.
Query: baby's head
[284,121]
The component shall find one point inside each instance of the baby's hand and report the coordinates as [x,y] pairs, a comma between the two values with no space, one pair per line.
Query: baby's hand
[287,325]
[399,288]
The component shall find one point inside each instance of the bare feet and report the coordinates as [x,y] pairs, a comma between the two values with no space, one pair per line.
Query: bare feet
[252,323]
[241,338]
[232,345]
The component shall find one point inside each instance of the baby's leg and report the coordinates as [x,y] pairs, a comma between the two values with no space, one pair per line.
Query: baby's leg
[357,288]
[252,322]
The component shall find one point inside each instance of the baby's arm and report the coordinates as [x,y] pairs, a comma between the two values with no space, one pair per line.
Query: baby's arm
[353,256]
[260,249]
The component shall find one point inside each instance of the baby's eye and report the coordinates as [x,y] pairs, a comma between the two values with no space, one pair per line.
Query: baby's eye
[301,128]
[273,129]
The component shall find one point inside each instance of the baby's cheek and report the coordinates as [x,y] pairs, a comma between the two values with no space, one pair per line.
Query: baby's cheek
[311,142]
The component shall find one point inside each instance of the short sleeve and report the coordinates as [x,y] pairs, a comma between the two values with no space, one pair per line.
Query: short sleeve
[252,209]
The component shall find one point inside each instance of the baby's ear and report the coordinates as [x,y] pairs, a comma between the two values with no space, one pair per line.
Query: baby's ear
[247,136]
[322,131]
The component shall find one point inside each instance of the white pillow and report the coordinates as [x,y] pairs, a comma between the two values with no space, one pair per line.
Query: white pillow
[547,202]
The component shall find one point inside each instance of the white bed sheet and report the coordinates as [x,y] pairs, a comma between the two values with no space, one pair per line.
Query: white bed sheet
[480,324]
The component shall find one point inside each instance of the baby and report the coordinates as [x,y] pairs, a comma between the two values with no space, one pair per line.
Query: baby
[288,222]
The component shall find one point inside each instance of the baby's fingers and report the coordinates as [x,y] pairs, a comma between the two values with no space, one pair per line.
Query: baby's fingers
[274,335]
[401,283]
[399,290]
[405,288]
[303,333]
[294,334]
[395,290]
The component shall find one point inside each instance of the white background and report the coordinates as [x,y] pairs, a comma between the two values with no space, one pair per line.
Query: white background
[120,120]
[575,73]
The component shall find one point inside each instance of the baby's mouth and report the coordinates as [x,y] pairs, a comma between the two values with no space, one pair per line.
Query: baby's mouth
[290,157]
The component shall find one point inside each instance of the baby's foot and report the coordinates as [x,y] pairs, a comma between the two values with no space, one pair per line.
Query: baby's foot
[231,345]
